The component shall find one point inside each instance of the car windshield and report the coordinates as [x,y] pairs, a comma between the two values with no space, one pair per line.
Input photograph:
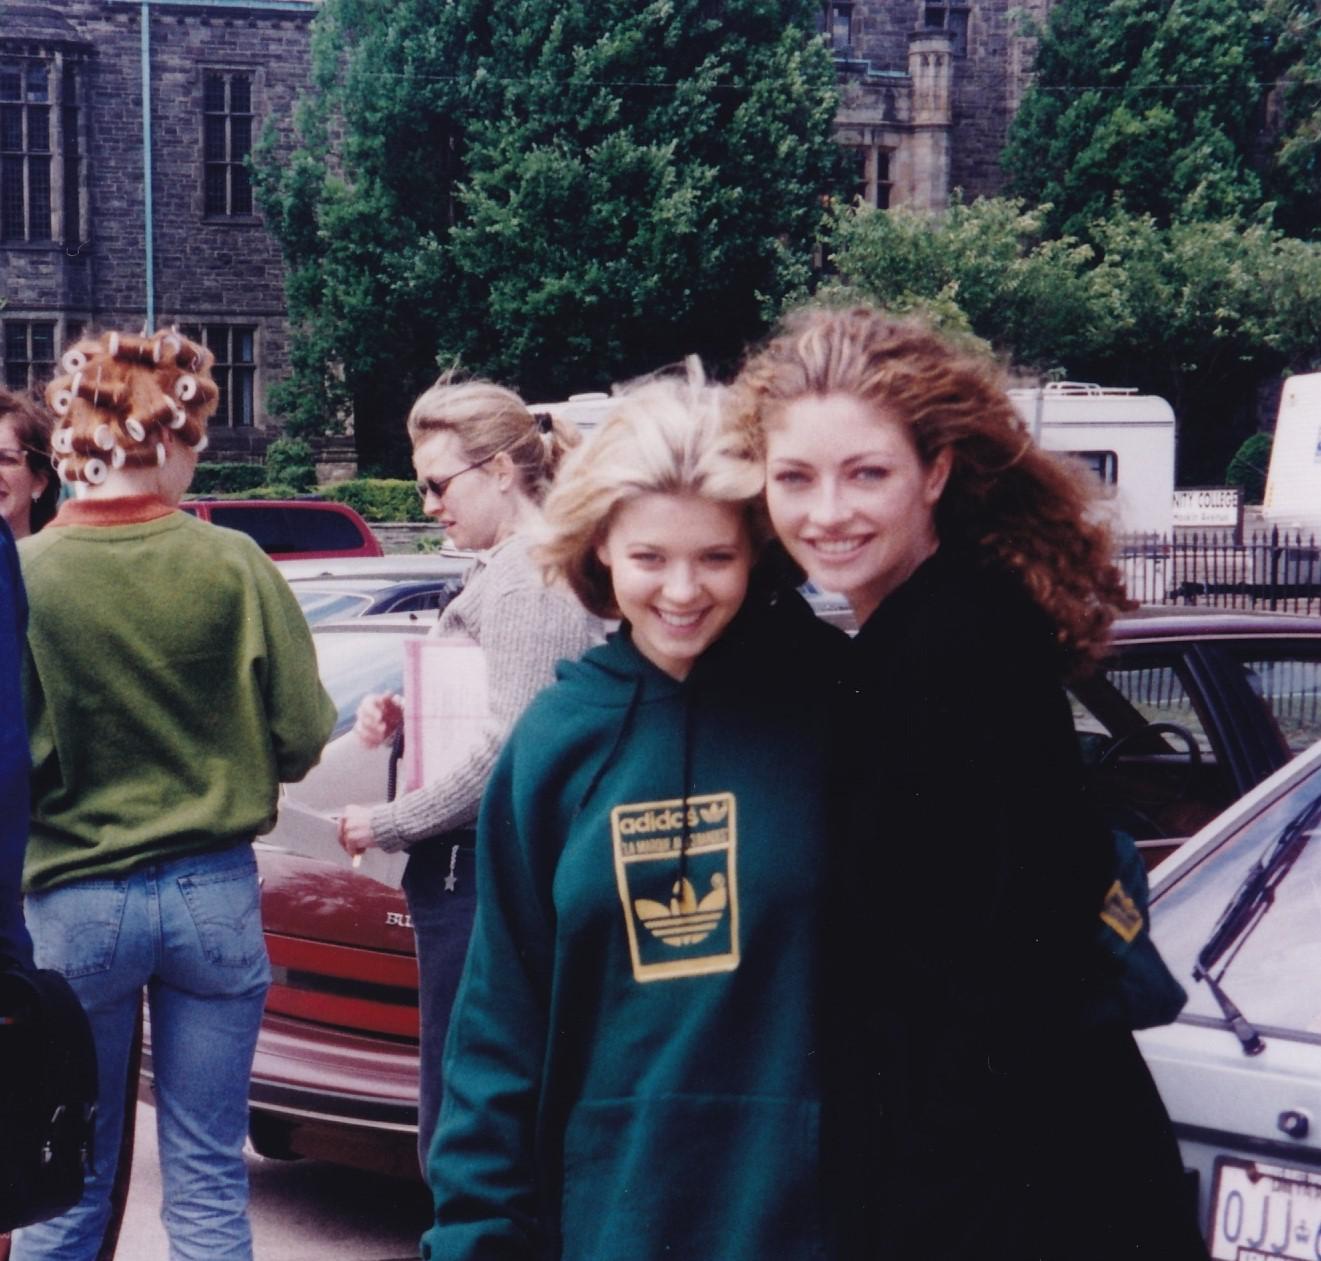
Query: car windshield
[1269,970]
[324,606]
[354,665]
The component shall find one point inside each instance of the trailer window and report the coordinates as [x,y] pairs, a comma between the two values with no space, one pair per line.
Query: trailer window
[1105,464]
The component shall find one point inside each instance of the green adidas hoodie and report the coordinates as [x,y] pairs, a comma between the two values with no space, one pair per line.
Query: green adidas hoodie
[632,1066]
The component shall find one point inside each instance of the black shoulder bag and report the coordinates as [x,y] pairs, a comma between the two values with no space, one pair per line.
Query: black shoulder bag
[47,1097]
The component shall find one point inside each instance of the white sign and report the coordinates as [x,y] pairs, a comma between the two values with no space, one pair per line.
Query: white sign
[1207,505]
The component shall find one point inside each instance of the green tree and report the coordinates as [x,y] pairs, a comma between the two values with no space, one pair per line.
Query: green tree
[559,194]
[984,268]
[1295,177]
[1205,312]
[1200,313]
[1158,103]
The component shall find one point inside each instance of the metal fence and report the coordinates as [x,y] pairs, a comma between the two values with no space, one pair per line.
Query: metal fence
[1275,570]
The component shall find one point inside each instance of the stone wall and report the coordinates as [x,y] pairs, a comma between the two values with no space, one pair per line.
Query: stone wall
[209,270]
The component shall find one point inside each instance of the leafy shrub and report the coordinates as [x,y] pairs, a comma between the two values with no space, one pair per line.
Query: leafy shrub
[220,479]
[1247,470]
[378,498]
[289,462]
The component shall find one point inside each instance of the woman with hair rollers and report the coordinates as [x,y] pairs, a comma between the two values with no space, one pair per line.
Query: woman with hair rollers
[170,685]
[483,464]
[633,1068]
[1012,1124]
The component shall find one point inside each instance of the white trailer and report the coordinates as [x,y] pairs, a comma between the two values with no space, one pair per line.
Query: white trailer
[1293,481]
[1125,438]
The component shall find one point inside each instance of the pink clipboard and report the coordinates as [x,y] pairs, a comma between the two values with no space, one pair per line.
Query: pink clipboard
[445,706]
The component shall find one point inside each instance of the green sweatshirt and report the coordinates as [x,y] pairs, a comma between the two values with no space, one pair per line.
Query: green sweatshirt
[170,684]
[632,1069]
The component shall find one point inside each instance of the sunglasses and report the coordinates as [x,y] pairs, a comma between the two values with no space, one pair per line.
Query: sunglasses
[430,486]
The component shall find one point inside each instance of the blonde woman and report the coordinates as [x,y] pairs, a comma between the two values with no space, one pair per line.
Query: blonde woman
[633,1068]
[483,465]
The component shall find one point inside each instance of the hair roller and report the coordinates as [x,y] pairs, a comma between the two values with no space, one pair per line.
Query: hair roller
[58,466]
[178,417]
[94,471]
[201,444]
[60,401]
[61,441]
[104,437]
[135,429]
[127,346]
[160,453]
[74,360]
[100,392]
[118,456]
[167,345]
[185,388]
[159,413]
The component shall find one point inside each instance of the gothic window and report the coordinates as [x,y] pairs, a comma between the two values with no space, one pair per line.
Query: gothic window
[29,353]
[235,369]
[25,151]
[39,150]
[836,23]
[942,15]
[226,141]
[871,180]
[883,181]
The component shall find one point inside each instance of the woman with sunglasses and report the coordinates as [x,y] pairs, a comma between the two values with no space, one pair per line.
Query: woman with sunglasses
[29,488]
[483,464]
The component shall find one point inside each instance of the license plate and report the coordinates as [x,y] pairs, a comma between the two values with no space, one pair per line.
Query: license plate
[1265,1212]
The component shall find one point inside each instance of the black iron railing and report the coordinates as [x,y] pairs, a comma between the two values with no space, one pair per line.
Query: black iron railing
[1276,570]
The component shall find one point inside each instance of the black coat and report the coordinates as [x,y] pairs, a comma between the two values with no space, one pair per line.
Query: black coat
[976,876]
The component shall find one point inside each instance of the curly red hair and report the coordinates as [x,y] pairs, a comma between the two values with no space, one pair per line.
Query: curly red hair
[118,395]
[1007,503]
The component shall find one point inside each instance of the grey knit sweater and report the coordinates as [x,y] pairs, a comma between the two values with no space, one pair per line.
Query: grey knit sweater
[524,628]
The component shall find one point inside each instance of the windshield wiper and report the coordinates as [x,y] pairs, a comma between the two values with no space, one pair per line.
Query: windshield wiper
[1246,910]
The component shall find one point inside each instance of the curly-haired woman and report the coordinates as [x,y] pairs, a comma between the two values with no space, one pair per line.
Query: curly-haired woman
[899,475]
[170,684]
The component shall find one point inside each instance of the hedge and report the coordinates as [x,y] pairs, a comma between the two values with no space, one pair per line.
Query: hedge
[221,479]
[378,498]
[1247,470]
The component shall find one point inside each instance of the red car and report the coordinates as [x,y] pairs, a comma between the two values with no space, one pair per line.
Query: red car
[292,529]
[1193,709]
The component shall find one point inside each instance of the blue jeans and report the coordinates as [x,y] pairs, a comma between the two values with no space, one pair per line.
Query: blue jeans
[188,930]
[442,923]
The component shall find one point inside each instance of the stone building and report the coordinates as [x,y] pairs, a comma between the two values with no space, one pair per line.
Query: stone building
[929,88]
[115,216]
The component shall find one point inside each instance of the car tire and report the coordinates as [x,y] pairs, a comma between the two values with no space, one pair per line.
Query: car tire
[271,1138]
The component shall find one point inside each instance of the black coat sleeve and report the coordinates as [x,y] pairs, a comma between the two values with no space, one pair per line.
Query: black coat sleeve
[15,944]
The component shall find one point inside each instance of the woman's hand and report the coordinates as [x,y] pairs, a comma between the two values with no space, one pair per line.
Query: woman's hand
[355,830]
[379,716]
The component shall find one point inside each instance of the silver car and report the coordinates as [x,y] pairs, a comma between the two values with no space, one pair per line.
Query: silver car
[421,583]
[1237,914]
